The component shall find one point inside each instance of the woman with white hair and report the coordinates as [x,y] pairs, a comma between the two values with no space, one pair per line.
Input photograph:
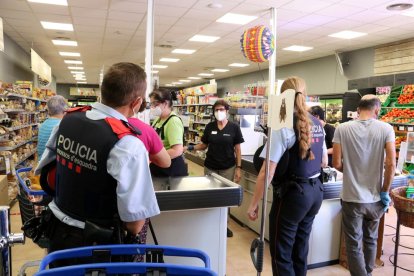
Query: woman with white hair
[56,107]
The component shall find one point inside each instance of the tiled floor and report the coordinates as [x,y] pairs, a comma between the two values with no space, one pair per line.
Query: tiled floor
[238,249]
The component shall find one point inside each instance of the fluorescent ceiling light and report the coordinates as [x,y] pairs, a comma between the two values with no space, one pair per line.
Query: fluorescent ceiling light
[154,71]
[75,68]
[77,72]
[81,82]
[234,18]
[206,74]
[184,80]
[238,64]
[220,70]
[183,51]
[57,26]
[298,48]
[169,84]
[62,42]
[169,59]
[69,54]
[160,66]
[204,38]
[347,34]
[194,78]
[176,82]
[50,2]
[68,61]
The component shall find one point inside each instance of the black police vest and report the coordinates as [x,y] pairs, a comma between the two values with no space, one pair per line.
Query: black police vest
[84,189]
[305,168]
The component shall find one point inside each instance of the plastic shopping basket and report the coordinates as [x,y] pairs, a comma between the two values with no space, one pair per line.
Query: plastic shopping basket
[145,268]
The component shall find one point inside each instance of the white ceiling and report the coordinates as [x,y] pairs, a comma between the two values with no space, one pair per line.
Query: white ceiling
[110,31]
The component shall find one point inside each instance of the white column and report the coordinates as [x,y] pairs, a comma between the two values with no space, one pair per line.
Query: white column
[272,63]
[149,45]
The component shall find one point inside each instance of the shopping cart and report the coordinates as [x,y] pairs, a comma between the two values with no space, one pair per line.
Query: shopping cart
[154,264]
[31,204]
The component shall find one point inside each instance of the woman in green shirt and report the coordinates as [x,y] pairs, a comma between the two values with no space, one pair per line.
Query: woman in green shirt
[171,130]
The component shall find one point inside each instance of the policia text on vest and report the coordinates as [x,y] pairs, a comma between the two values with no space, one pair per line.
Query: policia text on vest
[72,150]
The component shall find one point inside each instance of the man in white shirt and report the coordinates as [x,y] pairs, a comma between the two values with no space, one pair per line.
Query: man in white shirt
[100,172]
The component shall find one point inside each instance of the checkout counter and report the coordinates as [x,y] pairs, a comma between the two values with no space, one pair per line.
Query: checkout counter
[325,238]
[194,215]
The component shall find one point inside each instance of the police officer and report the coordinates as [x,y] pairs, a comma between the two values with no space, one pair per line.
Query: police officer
[298,155]
[101,174]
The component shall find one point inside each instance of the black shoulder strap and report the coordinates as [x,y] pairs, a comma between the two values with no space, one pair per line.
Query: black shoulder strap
[163,124]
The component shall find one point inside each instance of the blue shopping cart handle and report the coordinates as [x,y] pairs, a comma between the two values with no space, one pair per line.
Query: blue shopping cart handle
[128,268]
[23,183]
[123,249]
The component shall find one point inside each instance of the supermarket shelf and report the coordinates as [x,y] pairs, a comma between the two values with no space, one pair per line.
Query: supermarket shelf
[13,110]
[184,105]
[26,157]
[18,145]
[23,97]
[201,123]
[20,127]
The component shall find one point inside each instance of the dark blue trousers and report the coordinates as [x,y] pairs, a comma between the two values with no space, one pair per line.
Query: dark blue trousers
[290,224]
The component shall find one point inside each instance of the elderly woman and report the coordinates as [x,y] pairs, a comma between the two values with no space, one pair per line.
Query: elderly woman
[56,107]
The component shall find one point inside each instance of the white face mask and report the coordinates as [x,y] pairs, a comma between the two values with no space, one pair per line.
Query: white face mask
[220,115]
[155,112]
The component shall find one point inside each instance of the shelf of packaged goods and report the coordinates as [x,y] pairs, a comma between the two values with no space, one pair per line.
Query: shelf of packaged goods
[13,110]
[20,127]
[18,145]
[204,115]
[201,123]
[194,130]
[26,156]
[23,97]
[184,105]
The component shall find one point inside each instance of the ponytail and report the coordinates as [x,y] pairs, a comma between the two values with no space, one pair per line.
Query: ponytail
[303,123]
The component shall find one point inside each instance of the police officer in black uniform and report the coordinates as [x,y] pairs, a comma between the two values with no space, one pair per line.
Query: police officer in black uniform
[296,158]
[103,183]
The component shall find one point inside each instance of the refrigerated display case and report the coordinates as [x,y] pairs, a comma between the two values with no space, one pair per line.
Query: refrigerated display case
[338,106]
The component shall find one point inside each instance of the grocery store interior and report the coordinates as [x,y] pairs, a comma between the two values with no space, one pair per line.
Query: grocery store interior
[343,49]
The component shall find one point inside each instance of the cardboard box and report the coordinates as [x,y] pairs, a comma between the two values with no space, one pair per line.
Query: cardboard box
[4,190]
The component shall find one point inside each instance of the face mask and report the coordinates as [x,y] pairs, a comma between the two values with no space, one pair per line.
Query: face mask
[220,115]
[155,112]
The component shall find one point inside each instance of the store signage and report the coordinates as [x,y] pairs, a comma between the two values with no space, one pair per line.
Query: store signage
[281,109]
[1,35]
[84,91]
[40,67]
[387,80]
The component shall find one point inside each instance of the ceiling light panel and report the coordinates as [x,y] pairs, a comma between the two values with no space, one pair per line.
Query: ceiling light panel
[239,65]
[183,51]
[154,71]
[204,38]
[234,18]
[75,68]
[297,48]
[81,82]
[176,82]
[77,72]
[194,78]
[220,70]
[50,2]
[69,54]
[347,34]
[68,61]
[159,66]
[56,26]
[206,74]
[60,42]
[184,80]
[169,59]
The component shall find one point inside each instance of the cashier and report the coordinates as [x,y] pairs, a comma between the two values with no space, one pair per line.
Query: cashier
[171,130]
[223,139]
[329,129]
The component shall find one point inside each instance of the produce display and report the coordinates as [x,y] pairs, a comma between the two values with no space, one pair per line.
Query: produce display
[407,95]
[399,115]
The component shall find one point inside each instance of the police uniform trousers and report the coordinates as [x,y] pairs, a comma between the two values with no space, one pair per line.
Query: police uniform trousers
[290,224]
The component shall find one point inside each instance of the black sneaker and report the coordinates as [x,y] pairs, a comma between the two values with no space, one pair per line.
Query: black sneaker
[229,233]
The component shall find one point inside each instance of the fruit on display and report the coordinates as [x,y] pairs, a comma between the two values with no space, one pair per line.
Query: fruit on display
[398,113]
[407,95]
[398,140]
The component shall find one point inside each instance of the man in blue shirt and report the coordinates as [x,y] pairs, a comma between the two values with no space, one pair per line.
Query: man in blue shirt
[56,107]
[100,174]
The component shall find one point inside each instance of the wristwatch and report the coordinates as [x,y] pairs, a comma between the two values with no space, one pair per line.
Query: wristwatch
[239,167]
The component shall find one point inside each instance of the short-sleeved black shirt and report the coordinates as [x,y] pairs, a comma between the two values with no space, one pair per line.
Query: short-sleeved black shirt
[329,134]
[221,154]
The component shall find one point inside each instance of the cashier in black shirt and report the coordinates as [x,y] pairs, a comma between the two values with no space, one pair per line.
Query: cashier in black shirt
[223,139]
[319,113]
